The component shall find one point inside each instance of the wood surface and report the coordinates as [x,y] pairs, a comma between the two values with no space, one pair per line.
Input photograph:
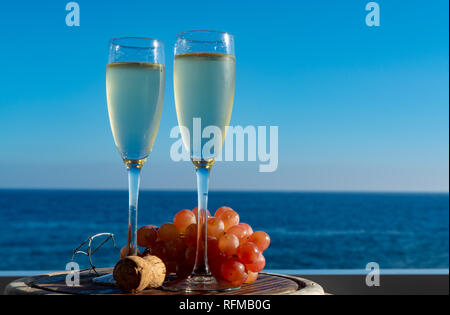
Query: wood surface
[267,284]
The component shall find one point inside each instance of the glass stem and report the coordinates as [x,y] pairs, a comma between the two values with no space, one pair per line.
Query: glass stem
[134,174]
[201,267]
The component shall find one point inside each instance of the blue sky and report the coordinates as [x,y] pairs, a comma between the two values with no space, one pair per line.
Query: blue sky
[358,108]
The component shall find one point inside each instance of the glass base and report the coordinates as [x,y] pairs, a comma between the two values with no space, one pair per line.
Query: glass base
[198,283]
[107,279]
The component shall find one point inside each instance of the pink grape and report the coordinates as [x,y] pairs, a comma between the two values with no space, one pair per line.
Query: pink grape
[168,231]
[215,227]
[221,210]
[240,232]
[260,239]
[147,236]
[258,265]
[246,227]
[230,218]
[248,253]
[183,219]
[233,270]
[228,244]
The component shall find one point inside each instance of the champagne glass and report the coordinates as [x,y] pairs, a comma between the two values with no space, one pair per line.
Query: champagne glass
[204,81]
[135,91]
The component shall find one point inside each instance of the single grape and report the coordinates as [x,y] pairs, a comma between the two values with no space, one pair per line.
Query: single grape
[190,235]
[246,227]
[232,270]
[260,239]
[228,244]
[175,249]
[230,218]
[252,277]
[147,236]
[215,227]
[183,219]
[248,253]
[258,265]
[221,210]
[168,231]
[240,232]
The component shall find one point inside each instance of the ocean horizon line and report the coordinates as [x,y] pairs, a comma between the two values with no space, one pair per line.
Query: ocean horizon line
[374,192]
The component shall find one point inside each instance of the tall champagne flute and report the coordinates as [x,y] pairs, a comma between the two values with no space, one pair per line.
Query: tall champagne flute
[204,81]
[135,91]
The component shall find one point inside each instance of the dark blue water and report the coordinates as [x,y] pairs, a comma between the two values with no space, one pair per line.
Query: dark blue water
[39,229]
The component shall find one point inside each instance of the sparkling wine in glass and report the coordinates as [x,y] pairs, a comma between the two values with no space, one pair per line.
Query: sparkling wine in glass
[135,91]
[204,82]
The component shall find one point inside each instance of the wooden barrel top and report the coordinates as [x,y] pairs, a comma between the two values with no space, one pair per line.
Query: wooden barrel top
[50,284]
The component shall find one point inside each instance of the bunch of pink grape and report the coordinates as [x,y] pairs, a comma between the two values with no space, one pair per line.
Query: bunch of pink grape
[235,252]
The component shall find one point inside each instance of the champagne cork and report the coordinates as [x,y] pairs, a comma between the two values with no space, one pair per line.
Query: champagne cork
[134,274]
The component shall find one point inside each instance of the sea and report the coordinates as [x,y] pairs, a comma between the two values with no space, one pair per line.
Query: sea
[41,228]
